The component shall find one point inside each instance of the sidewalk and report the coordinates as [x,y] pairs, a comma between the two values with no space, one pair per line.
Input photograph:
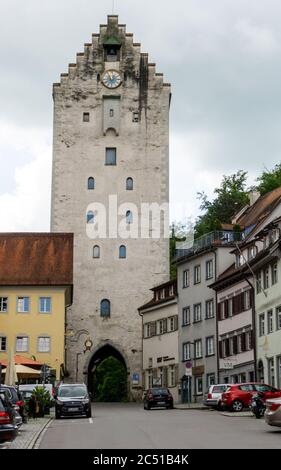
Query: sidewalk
[191,406]
[29,433]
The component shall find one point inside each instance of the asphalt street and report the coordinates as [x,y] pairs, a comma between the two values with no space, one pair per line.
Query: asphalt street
[129,426]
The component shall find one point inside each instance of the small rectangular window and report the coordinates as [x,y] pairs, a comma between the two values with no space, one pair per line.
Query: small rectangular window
[86,117]
[186,351]
[210,311]
[135,116]
[197,274]
[186,278]
[209,269]
[3,304]
[44,344]
[3,343]
[45,304]
[197,313]
[110,156]
[23,305]
[198,348]
[261,325]
[270,321]
[22,344]
[186,316]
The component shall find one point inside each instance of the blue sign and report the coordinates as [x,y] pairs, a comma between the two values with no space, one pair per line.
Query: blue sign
[136,378]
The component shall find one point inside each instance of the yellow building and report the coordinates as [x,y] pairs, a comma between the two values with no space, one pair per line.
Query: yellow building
[35,291]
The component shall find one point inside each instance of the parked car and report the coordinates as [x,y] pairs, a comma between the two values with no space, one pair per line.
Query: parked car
[8,427]
[30,387]
[73,400]
[16,399]
[273,412]
[214,395]
[158,397]
[238,396]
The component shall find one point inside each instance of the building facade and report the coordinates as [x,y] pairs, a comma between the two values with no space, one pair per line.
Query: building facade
[197,268]
[160,339]
[111,149]
[35,292]
[268,305]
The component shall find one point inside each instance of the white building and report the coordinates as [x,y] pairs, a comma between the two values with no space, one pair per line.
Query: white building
[111,147]
[160,339]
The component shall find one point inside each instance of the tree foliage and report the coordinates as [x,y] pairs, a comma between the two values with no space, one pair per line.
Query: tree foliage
[111,381]
[230,197]
[269,180]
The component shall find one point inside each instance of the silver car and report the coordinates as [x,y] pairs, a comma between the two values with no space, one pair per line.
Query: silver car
[273,412]
[213,396]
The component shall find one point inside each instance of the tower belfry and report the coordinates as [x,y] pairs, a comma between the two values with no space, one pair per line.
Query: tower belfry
[111,143]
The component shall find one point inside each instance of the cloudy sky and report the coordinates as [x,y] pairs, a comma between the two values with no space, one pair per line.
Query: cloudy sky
[223,58]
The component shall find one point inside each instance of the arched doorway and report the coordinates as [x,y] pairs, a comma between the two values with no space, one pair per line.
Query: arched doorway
[108,375]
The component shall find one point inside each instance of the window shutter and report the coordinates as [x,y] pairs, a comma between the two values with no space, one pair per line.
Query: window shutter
[176,374]
[144,328]
[165,325]
[153,328]
[227,349]
[235,345]
[165,376]
[243,342]
[220,349]
[176,322]
[219,311]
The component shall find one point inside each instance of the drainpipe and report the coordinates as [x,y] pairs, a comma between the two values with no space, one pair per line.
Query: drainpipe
[142,371]
[217,323]
[254,326]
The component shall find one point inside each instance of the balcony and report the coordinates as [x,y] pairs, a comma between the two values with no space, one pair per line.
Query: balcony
[217,238]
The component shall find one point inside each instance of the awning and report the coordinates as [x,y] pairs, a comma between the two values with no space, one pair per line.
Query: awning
[24,370]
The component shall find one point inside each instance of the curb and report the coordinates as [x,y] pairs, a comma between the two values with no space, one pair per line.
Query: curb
[33,442]
[237,415]
[191,408]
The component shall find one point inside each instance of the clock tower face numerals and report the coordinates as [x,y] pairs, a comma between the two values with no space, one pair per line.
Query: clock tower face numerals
[111,79]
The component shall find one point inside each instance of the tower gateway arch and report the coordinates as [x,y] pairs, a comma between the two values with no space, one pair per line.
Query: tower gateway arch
[111,158]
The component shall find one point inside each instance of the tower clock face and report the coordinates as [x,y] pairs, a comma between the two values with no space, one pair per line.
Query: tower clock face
[111,79]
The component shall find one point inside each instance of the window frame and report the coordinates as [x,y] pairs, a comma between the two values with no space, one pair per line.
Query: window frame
[22,337]
[185,278]
[212,353]
[23,297]
[109,161]
[209,302]
[2,303]
[196,271]
[187,309]
[195,319]
[106,302]
[3,337]
[45,311]
[38,344]
[209,262]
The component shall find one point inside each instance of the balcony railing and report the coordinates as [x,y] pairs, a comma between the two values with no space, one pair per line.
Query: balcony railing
[217,238]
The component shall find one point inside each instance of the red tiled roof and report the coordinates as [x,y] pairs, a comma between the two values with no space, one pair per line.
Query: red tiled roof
[24,361]
[260,209]
[36,259]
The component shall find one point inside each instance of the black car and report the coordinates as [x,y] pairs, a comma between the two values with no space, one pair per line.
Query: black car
[8,427]
[158,397]
[73,400]
[16,399]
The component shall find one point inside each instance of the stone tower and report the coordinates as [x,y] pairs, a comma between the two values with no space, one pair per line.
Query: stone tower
[111,147]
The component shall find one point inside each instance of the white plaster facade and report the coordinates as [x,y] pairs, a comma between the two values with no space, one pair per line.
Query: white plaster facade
[132,118]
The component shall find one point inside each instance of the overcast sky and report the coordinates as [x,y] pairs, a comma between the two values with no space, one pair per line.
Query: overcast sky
[223,58]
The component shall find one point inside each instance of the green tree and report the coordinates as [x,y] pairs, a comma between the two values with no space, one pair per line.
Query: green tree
[230,197]
[269,180]
[111,381]
[179,232]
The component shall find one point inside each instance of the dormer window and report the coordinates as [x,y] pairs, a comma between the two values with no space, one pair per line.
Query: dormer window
[239,260]
[252,252]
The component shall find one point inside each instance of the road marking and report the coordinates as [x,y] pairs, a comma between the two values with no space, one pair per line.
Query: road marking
[91,421]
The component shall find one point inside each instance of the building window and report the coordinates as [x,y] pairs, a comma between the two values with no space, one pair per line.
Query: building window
[274,273]
[22,344]
[197,274]
[210,311]
[90,217]
[270,321]
[247,299]
[252,251]
[278,318]
[199,385]
[96,251]
[271,372]
[105,308]
[266,278]
[111,113]
[198,348]
[210,350]
[209,269]
[258,283]
[279,371]
[129,217]
[197,314]
[162,326]
[45,304]
[186,316]
[23,305]
[129,184]
[172,376]
[44,344]
[230,307]
[110,156]
[135,116]
[122,252]
[86,117]
[3,304]
[186,278]
[91,183]
[210,379]
[3,343]
[147,331]
[261,325]
[260,371]
[186,352]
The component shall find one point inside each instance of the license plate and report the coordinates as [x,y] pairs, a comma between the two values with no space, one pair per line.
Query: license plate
[161,403]
[73,409]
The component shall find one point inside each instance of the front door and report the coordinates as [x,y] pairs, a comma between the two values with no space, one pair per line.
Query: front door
[186,390]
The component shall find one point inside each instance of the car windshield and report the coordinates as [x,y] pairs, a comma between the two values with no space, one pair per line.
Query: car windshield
[158,391]
[219,388]
[72,391]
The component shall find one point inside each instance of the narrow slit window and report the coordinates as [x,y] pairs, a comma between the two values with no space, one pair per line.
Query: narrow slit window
[90,217]
[86,117]
[122,252]
[129,184]
[91,183]
[96,251]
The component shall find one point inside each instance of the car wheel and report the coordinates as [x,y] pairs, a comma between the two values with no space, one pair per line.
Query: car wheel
[89,413]
[237,406]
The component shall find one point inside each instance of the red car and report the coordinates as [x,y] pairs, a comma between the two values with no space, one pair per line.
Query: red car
[238,396]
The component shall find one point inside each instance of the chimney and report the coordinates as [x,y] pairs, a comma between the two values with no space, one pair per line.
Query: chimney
[253,196]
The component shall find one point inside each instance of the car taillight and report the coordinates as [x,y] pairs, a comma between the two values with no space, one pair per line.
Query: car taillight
[20,403]
[274,406]
[150,396]
[4,418]
[209,395]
